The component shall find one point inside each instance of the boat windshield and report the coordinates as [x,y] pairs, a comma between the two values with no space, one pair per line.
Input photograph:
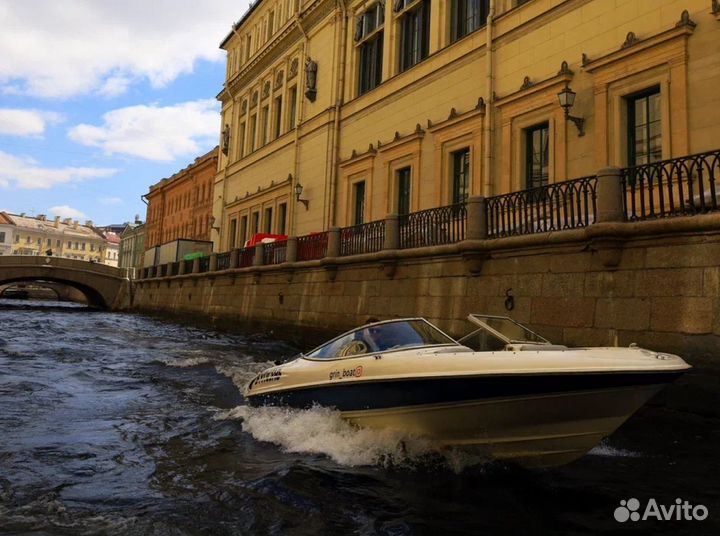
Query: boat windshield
[496,332]
[381,337]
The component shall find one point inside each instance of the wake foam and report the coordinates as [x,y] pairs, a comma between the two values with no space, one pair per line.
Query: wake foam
[323,431]
[603,449]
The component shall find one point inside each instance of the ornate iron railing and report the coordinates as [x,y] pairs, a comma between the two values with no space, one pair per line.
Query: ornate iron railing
[204,264]
[554,207]
[246,257]
[675,187]
[274,252]
[311,247]
[433,227]
[223,260]
[366,238]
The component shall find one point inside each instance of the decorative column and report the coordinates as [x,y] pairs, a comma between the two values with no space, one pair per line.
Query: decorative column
[291,251]
[333,247]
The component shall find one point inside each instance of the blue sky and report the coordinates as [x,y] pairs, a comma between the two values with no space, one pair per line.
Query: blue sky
[100,99]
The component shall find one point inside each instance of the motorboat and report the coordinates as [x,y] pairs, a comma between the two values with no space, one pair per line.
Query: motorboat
[502,389]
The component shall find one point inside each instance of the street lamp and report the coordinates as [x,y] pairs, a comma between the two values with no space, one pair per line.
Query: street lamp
[567,99]
[298,193]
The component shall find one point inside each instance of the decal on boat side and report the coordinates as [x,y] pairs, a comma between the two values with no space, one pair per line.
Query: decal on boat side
[346,373]
[271,375]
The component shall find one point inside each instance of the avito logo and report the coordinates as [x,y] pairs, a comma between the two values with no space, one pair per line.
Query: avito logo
[680,511]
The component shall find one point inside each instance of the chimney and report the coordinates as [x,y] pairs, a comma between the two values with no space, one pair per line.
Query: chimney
[41,217]
[75,224]
[57,222]
[88,223]
[22,214]
[67,221]
[137,219]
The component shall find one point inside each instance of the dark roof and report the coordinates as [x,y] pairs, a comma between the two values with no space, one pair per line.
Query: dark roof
[241,21]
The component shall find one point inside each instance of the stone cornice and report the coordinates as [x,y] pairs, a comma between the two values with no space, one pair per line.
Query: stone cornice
[634,44]
[260,191]
[277,47]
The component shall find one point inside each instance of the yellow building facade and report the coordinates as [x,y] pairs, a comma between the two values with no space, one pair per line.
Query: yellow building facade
[380,107]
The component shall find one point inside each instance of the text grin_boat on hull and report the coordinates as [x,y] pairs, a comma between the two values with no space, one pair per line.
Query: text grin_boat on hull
[502,390]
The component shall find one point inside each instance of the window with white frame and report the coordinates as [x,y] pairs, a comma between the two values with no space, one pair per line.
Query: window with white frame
[414,21]
[369,29]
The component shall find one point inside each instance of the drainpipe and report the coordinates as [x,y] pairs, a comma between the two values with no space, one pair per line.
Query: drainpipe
[340,92]
[490,105]
[299,119]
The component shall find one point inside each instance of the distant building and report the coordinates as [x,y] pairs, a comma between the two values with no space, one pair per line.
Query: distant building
[180,207]
[7,231]
[132,245]
[62,238]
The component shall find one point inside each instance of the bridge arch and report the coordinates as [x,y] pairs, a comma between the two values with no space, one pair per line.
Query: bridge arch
[102,285]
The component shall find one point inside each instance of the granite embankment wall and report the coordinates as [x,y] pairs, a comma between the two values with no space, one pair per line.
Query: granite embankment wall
[655,283]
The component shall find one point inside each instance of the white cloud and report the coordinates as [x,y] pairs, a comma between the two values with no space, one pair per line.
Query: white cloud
[27,173]
[65,211]
[154,132]
[111,200]
[16,122]
[63,49]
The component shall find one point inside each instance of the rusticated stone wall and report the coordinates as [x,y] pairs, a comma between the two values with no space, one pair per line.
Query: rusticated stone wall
[656,283]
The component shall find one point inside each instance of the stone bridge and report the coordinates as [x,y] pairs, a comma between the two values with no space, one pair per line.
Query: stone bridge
[103,286]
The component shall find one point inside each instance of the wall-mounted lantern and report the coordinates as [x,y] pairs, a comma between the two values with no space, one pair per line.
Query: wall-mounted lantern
[567,99]
[298,193]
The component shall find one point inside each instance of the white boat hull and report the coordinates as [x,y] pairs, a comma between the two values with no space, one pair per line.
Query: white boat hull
[538,431]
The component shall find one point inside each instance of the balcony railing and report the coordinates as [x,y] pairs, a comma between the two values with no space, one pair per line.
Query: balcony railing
[223,261]
[433,227]
[274,252]
[675,187]
[366,238]
[246,258]
[311,247]
[679,186]
[555,207]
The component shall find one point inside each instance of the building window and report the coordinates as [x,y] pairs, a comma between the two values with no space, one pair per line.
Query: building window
[243,230]
[278,118]
[403,191]
[460,175]
[282,218]
[251,133]
[369,39]
[537,155]
[17,238]
[255,226]
[415,32]
[248,47]
[644,128]
[264,127]
[232,233]
[271,24]
[292,109]
[267,220]
[467,16]
[359,203]
[2,237]
[241,140]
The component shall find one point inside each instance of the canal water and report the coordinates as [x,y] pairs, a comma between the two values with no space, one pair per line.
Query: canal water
[118,424]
